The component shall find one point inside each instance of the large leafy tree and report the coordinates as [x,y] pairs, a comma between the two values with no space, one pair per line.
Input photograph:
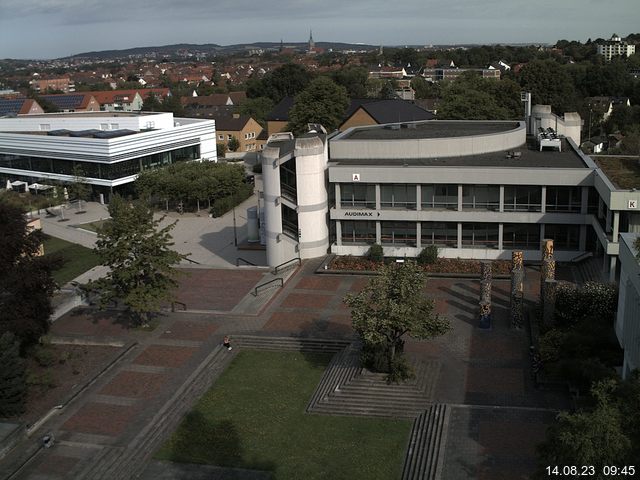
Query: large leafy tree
[13,389]
[285,81]
[354,79]
[392,305]
[257,108]
[141,263]
[549,84]
[595,438]
[323,102]
[26,284]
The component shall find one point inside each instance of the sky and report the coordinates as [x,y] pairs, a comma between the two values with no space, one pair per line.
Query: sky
[40,29]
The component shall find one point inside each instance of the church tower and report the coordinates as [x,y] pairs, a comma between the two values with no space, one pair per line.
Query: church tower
[312,44]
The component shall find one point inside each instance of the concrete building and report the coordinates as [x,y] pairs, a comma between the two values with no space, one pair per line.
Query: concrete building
[628,318]
[615,47]
[475,189]
[112,149]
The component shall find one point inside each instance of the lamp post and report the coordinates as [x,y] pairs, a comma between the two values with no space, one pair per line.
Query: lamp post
[235,233]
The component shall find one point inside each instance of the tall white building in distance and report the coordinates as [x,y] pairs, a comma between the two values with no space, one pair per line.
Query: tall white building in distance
[615,47]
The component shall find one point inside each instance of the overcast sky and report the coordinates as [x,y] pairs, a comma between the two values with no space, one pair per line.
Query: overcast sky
[57,28]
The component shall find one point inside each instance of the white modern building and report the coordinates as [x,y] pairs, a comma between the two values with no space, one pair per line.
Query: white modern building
[615,47]
[111,148]
[475,189]
[628,319]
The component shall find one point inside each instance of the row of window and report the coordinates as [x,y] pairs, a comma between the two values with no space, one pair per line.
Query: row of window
[445,234]
[474,197]
[106,171]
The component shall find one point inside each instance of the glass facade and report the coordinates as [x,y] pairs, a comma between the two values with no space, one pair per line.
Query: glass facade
[288,182]
[444,197]
[440,234]
[565,237]
[398,233]
[525,236]
[481,197]
[484,235]
[564,199]
[358,233]
[522,198]
[105,171]
[398,196]
[358,195]
[289,222]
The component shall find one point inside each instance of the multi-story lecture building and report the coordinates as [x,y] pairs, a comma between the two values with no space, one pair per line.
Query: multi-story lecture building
[112,148]
[475,189]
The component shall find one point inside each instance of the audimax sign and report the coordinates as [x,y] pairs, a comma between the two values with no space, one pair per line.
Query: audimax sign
[360,213]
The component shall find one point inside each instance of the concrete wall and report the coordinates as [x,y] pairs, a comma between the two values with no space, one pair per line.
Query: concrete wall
[628,318]
[570,125]
[85,121]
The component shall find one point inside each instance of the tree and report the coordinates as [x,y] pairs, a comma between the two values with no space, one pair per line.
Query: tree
[13,390]
[221,149]
[151,103]
[80,189]
[393,305]
[140,260]
[549,84]
[26,283]
[233,144]
[593,438]
[285,81]
[354,79]
[257,108]
[388,90]
[321,102]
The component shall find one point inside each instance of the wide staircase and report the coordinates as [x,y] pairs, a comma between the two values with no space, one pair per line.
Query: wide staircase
[289,344]
[589,270]
[424,457]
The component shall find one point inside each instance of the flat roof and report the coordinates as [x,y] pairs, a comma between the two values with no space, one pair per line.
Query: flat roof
[530,157]
[624,172]
[429,129]
[87,114]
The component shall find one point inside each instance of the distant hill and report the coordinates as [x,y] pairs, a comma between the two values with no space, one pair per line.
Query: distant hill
[212,48]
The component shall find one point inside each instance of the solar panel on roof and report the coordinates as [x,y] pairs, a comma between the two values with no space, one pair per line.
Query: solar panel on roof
[113,133]
[63,132]
[11,107]
[66,102]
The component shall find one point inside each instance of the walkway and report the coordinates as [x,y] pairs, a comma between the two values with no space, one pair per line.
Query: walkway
[495,415]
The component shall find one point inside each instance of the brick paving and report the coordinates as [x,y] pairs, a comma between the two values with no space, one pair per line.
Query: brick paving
[477,367]
[101,419]
[135,384]
[165,356]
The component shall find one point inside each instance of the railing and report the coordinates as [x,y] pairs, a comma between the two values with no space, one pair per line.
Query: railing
[240,259]
[184,257]
[581,257]
[287,264]
[265,284]
[173,305]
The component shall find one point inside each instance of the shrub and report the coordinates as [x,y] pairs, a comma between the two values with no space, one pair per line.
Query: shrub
[12,377]
[44,356]
[374,357]
[401,370]
[593,299]
[428,255]
[376,253]
[224,204]
[43,380]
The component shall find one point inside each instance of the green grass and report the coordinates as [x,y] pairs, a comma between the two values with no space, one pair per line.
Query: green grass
[92,226]
[254,418]
[77,259]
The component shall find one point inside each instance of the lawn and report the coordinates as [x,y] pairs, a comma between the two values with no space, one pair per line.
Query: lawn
[77,259]
[254,417]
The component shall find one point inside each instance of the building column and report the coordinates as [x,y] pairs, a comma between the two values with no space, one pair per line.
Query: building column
[459,235]
[612,268]
[418,197]
[459,200]
[338,232]
[541,232]
[543,202]
[608,221]
[501,208]
[582,240]
[584,204]
[338,204]
[418,235]
[500,233]
[378,233]
[616,226]
[378,198]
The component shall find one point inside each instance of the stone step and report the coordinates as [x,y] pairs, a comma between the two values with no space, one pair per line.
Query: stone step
[366,412]
[348,392]
[365,403]
[423,459]
[290,343]
[343,366]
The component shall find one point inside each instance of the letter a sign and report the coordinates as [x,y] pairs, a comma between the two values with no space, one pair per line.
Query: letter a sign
[356,177]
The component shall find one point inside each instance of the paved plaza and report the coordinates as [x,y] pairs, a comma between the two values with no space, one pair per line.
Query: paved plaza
[497,414]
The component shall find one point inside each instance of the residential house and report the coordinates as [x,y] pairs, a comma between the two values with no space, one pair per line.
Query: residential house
[43,85]
[73,102]
[19,106]
[242,127]
[615,47]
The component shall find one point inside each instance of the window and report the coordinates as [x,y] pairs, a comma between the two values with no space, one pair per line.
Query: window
[289,222]
[229,137]
[565,237]
[481,197]
[440,234]
[398,233]
[357,195]
[115,126]
[439,197]
[564,199]
[288,182]
[104,126]
[480,235]
[358,232]
[45,126]
[220,137]
[522,198]
[398,196]
[521,236]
